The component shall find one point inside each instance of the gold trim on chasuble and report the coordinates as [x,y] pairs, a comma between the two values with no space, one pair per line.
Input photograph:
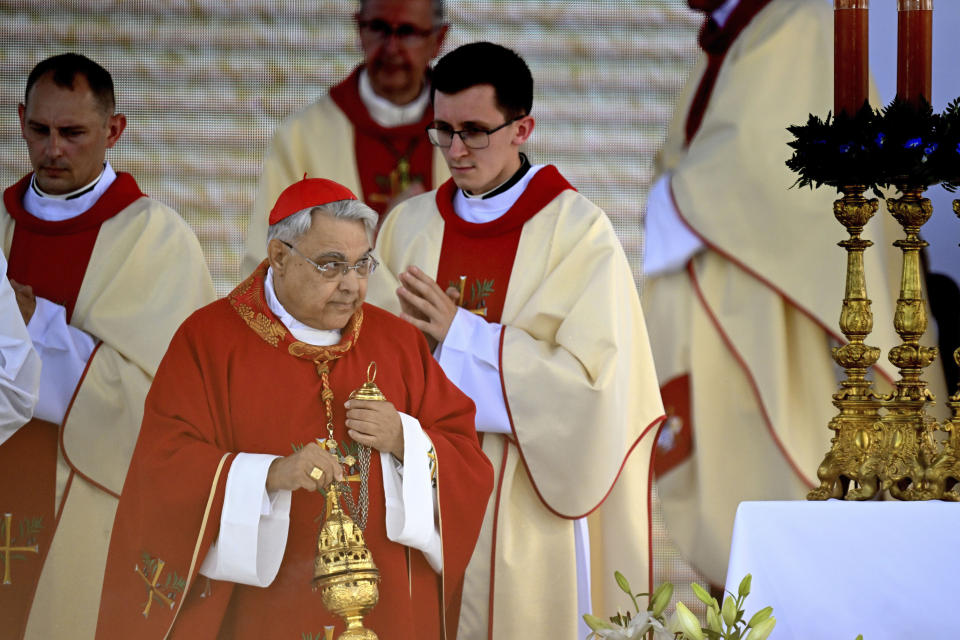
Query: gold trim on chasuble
[250,303]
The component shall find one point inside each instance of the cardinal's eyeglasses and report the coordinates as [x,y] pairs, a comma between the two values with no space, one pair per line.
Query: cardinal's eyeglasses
[338,269]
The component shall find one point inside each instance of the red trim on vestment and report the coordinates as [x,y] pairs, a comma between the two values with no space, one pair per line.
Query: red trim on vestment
[764,281]
[715,42]
[123,192]
[493,539]
[533,481]
[542,189]
[746,370]
[63,426]
[52,256]
[378,149]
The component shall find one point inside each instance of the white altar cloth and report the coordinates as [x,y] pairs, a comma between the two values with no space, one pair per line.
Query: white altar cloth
[832,570]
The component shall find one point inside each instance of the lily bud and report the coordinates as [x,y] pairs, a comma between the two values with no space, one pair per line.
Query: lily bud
[729,611]
[660,599]
[703,596]
[688,622]
[713,620]
[622,583]
[760,616]
[596,623]
[763,630]
[744,590]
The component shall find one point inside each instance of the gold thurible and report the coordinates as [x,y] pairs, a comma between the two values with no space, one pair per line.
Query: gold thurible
[344,570]
[856,426]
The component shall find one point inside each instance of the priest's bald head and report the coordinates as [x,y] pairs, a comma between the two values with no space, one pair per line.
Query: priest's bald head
[319,246]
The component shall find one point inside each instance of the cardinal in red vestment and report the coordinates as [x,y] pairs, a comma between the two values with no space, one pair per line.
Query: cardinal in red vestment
[248,422]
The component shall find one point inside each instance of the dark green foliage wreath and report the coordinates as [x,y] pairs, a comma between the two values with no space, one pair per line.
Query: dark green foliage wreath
[898,146]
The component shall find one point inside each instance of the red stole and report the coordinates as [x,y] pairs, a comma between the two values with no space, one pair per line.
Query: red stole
[52,257]
[485,252]
[388,159]
[716,42]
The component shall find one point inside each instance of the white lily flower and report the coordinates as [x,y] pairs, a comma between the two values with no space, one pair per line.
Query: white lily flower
[636,629]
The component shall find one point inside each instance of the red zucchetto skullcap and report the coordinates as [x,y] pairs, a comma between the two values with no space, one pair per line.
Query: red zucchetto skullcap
[309,192]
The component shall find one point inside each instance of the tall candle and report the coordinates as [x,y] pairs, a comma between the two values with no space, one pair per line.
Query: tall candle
[914,46]
[850,55]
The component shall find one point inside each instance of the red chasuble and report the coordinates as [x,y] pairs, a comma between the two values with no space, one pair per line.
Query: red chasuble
[235,380]
[485,252]
[715,42]
[51,257]
[388,159]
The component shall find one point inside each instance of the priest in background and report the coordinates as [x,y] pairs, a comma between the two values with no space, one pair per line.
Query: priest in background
[522,287]
[103,276]
[250,418]
[367,132]
[743,277]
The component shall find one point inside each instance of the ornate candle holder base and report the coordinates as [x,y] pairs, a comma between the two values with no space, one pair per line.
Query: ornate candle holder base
[855,426]
[943,476]
[908,444]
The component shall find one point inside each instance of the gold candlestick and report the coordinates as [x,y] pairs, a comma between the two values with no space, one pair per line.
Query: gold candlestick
[943,476]
[908,445]
[859,406]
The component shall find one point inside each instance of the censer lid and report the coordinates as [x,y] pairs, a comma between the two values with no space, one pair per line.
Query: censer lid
[341,547]
[369,390]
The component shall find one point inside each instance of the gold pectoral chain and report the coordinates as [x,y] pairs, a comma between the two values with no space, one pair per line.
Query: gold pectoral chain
[357,512]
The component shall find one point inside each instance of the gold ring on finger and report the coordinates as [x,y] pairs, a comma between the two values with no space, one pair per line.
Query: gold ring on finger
[316,473]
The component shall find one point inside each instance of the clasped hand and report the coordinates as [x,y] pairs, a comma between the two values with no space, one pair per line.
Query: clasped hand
[374,423]
[426,306]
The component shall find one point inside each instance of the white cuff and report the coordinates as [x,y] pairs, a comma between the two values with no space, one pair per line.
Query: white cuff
[409,495]
[471,359]
[19,364]
[64,351]
[668,242]
[253,526]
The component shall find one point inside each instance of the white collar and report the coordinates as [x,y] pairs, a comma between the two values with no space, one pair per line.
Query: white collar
[300,331]
[387,114]
[720,15]
[57,208]
[478,209]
